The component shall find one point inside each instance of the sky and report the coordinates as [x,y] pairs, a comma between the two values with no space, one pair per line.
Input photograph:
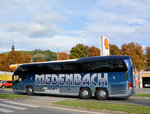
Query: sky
[58,25]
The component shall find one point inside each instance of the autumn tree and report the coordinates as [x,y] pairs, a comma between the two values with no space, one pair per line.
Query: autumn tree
[148,58]
[135,51]
[3,62]
[93,51]
[63,56]
[16,57]
[79,51]
[13,57]
[41,60]
[114,49]
[26,57]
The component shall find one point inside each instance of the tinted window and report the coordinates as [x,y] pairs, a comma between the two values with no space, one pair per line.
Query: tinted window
[105,66]
[55,68]
[29,69]
[72,68]
[39,69]
[51,68]
[19,78]
[119,66]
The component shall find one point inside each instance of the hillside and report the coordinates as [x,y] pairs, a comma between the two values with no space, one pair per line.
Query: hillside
[42,54]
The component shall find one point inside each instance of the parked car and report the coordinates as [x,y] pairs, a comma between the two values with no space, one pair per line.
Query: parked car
[146,84]
[4,84]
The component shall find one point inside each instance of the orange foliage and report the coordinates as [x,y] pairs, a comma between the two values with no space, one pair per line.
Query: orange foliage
[13,57]
[148,58]
[135,51]
[93,51]
[114,49]
[63,56]
[41,60]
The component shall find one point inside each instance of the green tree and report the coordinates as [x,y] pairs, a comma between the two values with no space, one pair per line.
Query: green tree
[135,51]
[38,56]
[42,54]
[114,49]
[93,51]
[79,51]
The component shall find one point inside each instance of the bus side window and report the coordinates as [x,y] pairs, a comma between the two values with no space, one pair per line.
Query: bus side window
[56,68]
[107,66]
[94,66]
[72,68]
[46,69]
[119,66]
[99,66]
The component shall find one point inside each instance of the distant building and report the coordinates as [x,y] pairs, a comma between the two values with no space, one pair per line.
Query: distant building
[13,47]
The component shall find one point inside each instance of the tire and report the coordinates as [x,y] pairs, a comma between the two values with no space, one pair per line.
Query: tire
[102,94]
[85,93]
[30,90]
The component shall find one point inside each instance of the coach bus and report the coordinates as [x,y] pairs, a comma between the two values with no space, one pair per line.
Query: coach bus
[101,77]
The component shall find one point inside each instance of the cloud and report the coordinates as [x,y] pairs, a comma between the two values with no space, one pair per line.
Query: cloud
[4,38]
[31,29]
[42,26]
[56,43]
[62,24]
[112,17]
[49,18]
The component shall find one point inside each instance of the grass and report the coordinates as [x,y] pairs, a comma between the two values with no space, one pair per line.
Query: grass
[140,109]
[6,88]
[11,96]
[142,95]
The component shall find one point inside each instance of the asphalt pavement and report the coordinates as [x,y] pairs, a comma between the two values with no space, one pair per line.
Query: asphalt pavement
[142,91]
[15,107]
[44,103]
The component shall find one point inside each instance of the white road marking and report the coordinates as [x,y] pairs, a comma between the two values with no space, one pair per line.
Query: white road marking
[21,104]
[5,110]
[13,107]
[88,112]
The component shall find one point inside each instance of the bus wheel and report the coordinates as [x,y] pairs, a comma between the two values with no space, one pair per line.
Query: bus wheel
[102,94]
[3,86]
[29,90]
[85,93]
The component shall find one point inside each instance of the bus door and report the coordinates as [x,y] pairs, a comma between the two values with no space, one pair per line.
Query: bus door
[18,80]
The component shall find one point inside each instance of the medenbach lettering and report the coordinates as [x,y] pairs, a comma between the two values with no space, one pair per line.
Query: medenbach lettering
[88,79]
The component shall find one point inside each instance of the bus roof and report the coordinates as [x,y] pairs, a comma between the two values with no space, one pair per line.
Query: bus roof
[84,59]
[49,62]
[113,57]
